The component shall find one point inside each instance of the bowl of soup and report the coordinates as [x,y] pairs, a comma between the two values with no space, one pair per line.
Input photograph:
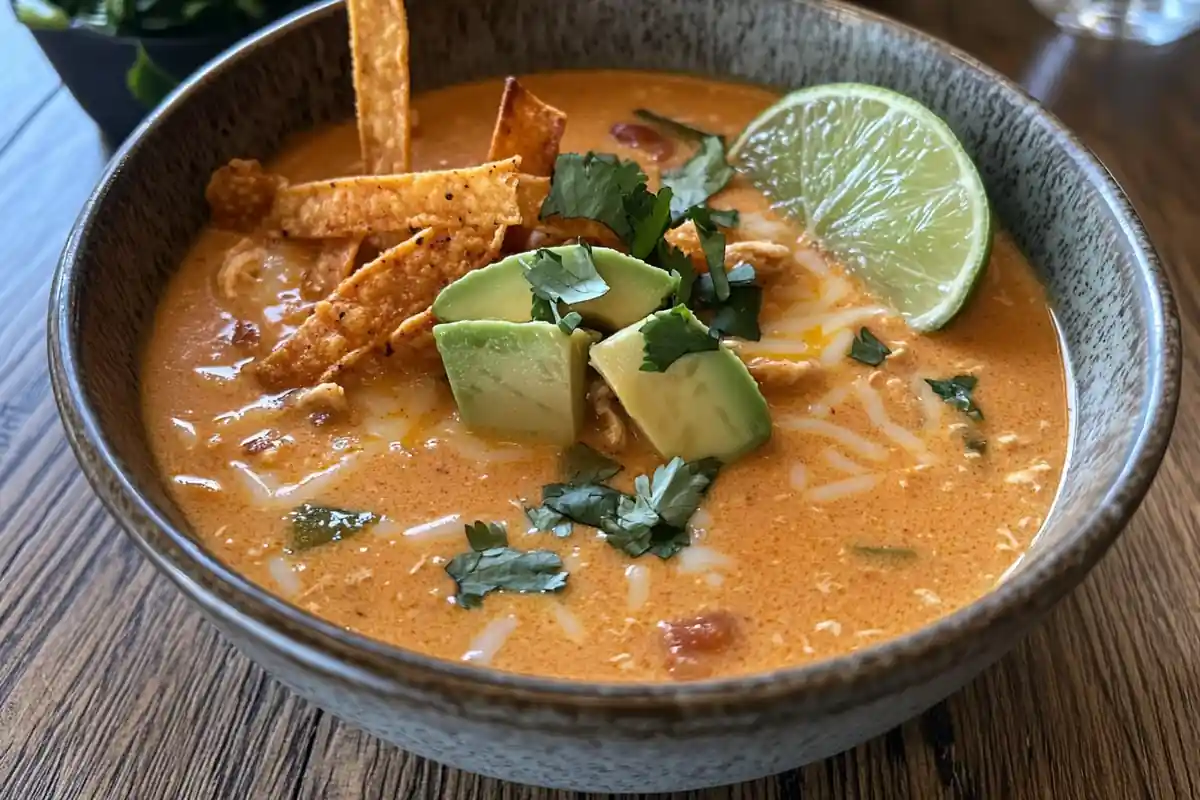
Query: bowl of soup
[607,398]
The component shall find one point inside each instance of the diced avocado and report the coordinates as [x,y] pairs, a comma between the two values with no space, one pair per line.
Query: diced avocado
[705,404]
[524,380]
[500,291]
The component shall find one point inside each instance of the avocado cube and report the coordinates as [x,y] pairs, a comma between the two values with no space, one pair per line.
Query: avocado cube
[518,380]
[500,291]
[705,404]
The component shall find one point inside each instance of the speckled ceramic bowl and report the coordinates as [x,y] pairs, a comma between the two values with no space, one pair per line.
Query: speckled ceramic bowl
[1109,290]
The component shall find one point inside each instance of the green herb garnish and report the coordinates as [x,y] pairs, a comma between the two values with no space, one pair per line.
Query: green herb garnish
[712,242]
[655,519]
[581,464]
[672,259]
[587,504]
[680,130]
[868,349]
[957,392]
[547,520]
[314,525]
[486,535]
[602,187]
[493,566]
[671,336]
[700,177]
[559,281]
[738,314]
[885,551]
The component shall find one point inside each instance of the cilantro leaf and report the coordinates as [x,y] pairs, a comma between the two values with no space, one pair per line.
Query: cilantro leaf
[677,129]
[712,242]
[486,535]
[676,491]
[650,218]
[587,504]
[314,525]
[581,464]
[738,314]
[868,349]
[725,217]
[571,279]
[957,392]
[700,177]
[672,259]
[655,519]
[594,186]
[885,551]
[547,520]
[741,275]
[671,336]
[479,573]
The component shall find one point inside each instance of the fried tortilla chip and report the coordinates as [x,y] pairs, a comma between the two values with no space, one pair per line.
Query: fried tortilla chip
[332,264]
[241,193]
[414,335]
[528,128]
[483,196]
[379,43]
[369,305]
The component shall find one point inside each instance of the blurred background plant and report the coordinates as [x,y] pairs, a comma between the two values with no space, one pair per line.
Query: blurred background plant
[139,48]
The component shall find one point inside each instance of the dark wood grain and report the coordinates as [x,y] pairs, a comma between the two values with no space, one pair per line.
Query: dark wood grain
[112,686]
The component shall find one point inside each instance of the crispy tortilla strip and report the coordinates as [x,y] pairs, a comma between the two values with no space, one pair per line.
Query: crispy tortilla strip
[372,302]
[535,232]
[414,334]
[379,44]
[483,196]
[332,264]
[240,194]
[528,128]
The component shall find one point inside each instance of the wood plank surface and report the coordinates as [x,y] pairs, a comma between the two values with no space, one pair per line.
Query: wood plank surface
[112,686]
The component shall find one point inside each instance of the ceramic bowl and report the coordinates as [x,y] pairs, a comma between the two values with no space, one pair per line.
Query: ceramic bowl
[1109,292]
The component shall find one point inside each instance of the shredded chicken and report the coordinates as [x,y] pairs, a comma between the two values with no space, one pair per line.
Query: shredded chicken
[772,373]
[607,409]
[767,258]
[241,267]
[322,402]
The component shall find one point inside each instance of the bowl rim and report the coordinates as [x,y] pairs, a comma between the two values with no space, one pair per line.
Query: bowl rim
[856,677]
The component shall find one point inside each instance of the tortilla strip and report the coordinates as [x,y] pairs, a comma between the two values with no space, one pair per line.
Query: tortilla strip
[414,334]
[371,303]
[379,45]
[333,263]
[482,196]
[528,128]
[240,194]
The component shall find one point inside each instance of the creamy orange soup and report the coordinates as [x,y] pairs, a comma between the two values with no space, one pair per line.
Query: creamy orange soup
[873,509]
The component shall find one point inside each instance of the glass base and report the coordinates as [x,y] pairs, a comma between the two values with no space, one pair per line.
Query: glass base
[1149,21]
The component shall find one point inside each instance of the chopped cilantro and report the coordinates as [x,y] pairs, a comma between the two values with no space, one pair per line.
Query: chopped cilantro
[594,186]
[680,130]
[672,259]
[957,392]
[486,535]
[587,504]
[650,218]
[712,242]
[868,349]
[738,314]
[655,519]
[503,569]
[701,176]
[557,280]
[888,552]
[670,336]
[581,464]
[314,525]
[725,217]
[548,520]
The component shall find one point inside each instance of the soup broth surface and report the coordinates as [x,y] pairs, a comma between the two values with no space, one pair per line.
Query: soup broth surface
[874,509]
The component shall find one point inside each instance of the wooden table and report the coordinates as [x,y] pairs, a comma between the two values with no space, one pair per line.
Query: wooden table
[112,686]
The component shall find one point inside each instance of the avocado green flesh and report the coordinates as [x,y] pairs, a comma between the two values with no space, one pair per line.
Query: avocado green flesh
[521,380]
[500,291]
[705,404]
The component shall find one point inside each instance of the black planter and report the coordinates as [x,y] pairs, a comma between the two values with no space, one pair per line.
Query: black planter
[93,66]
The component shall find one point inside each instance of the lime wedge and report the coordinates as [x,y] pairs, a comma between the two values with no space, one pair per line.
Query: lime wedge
[882,183]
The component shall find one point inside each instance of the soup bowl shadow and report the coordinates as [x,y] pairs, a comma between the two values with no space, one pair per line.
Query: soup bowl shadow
[1109,292]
